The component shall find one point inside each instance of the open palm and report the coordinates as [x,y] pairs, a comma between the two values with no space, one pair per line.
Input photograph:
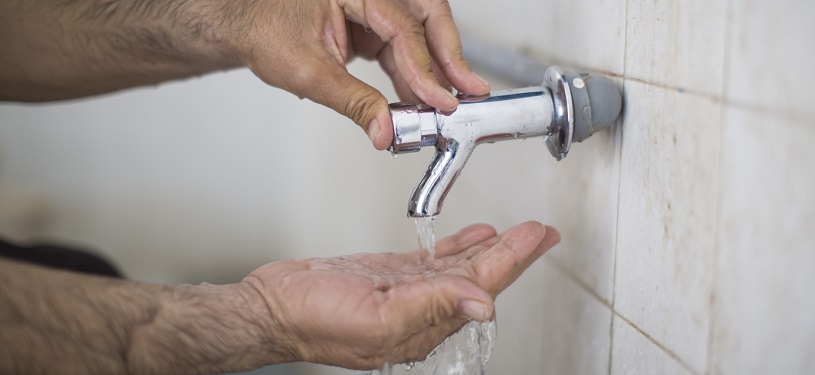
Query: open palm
[363,310]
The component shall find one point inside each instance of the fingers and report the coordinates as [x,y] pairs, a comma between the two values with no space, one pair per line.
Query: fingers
[413,307]
[517,249]
[462,240]
[395,25]
[445,47]
[330,84]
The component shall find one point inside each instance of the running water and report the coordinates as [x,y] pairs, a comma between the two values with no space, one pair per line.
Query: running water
[427,240]
[467,351]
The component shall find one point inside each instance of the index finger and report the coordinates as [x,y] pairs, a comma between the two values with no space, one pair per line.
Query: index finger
[397,26]
[463,239]
[445,47]
[499,266]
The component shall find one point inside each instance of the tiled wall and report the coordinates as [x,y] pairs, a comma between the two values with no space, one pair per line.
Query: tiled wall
[689,236]
[688,230]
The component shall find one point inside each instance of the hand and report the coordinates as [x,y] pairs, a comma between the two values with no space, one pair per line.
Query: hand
[303,46]
[363,310]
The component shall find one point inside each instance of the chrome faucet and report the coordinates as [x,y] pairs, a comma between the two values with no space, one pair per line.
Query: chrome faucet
[566,108]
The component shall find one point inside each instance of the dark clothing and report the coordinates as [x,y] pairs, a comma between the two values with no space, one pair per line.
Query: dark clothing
[61,258]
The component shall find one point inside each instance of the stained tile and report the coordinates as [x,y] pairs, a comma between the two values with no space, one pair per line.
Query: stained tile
[766,266]
[633,354]
[676,43]
[666,217]
[771,55]
[575,327]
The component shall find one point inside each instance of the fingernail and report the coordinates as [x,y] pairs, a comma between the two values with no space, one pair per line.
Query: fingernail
[453,99]
[474,309]
[483,81]
[373,130]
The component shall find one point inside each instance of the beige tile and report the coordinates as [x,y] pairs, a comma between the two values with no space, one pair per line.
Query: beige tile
[764,304]
[676,43]
[667,213]
[518,310]
[575,328]
[771,54]
[584,33]
[633,354]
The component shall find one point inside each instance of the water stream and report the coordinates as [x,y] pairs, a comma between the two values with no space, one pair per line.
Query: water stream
[464,353]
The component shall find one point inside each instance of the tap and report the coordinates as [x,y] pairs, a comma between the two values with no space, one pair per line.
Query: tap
[566,108]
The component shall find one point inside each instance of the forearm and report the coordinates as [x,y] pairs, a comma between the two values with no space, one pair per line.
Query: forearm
[53,321]
[60,49]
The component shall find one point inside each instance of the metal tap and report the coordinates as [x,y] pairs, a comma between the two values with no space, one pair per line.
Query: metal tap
[566,108]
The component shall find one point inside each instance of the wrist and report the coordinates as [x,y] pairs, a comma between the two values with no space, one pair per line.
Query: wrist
[203,329]
[278,346]
[222,29]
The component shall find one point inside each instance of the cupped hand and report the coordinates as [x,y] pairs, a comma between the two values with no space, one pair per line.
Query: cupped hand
[364,310]
[303,46]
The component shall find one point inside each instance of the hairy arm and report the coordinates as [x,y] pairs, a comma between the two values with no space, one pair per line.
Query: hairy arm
[60,49]
[357,311]
[54,321]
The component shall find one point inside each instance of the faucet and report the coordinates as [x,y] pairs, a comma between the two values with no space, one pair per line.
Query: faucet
[566,108]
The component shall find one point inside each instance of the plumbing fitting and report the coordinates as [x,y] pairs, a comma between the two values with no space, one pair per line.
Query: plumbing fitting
[566,108]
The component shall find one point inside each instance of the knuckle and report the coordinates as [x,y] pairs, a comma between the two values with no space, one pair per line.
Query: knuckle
[360,104]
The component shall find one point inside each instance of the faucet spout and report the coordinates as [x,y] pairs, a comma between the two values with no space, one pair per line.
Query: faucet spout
[448,161]
[547,110]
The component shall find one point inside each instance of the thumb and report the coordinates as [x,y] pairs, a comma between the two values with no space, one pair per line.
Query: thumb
[355,99]
[415,306]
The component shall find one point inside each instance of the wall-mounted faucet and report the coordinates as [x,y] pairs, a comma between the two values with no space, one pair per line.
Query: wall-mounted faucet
[566,108]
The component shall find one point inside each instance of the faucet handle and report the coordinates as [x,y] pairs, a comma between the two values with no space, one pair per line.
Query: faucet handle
[414,126]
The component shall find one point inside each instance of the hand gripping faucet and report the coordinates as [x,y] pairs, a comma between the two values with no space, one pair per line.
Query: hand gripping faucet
[566,108]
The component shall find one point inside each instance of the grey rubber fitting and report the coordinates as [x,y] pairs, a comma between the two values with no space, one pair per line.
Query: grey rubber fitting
[597,104]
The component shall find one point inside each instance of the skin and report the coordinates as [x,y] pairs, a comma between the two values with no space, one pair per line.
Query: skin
[358,311]
[63,49]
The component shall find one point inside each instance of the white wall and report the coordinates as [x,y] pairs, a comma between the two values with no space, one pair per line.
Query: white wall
[687,231]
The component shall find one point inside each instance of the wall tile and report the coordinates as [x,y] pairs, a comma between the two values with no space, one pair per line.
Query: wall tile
[676,43]
[771,55]
[666,217]
[518,310]
[764,304]
[633,354]
[575,328]
[583,33]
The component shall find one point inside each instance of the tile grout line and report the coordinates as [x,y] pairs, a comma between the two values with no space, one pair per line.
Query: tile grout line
[795,117]
[728,36]
[659,345]
[619,185]
[586,288]
[577,281]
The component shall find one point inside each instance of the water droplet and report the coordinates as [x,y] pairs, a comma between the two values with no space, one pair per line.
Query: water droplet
[408,366]
[368,30]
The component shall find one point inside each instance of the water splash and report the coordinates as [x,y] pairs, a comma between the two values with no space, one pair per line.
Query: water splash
[465,352]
